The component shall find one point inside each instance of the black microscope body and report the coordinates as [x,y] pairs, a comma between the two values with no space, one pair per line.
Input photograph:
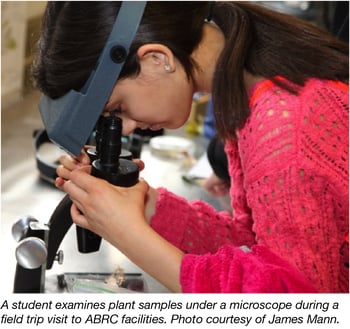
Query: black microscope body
[39,243]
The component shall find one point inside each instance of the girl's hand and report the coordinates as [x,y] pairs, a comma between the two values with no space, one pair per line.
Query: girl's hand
[108,210]
[68,164]
[117,214]
[216,186]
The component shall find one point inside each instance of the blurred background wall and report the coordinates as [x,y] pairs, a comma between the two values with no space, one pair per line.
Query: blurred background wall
[20,26]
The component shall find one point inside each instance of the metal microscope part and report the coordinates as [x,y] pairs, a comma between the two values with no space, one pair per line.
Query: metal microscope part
[31,253]
[20,228]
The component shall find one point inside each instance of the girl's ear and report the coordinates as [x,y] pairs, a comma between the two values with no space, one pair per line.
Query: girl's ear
[158,54]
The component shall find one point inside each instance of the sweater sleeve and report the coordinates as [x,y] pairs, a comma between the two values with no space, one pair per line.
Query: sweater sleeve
[238,270]
[196,227]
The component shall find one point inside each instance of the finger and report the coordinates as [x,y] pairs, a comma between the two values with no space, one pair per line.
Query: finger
[220,190]
[87,147]
[67,161]
[86,169]
[83,157]
[83,180]
[142,185]
[59,181]
[76,193]
[77,216]
[139,163]
[63,172]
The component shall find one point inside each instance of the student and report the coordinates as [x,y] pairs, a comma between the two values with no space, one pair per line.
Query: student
[280,96]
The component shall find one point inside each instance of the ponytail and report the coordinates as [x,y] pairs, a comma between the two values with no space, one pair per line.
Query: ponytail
[268,44]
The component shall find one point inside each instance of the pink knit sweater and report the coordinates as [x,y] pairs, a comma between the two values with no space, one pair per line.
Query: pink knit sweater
[289,191]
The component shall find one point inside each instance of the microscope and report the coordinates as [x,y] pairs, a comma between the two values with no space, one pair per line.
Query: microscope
[38,242]
[70,121]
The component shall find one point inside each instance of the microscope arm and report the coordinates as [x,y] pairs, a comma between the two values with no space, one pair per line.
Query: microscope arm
[60,222]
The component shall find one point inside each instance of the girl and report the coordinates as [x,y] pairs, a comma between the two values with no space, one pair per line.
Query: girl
[280,95]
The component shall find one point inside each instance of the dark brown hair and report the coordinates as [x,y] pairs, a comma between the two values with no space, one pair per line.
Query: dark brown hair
[74,34]
[258,40]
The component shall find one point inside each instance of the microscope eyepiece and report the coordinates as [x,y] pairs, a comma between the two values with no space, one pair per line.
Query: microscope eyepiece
[109,145]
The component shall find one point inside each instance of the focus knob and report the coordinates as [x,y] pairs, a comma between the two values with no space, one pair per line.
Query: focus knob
[20,228]
[31,253]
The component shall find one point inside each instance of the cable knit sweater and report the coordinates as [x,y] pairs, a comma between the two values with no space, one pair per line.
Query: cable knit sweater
[289,191]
